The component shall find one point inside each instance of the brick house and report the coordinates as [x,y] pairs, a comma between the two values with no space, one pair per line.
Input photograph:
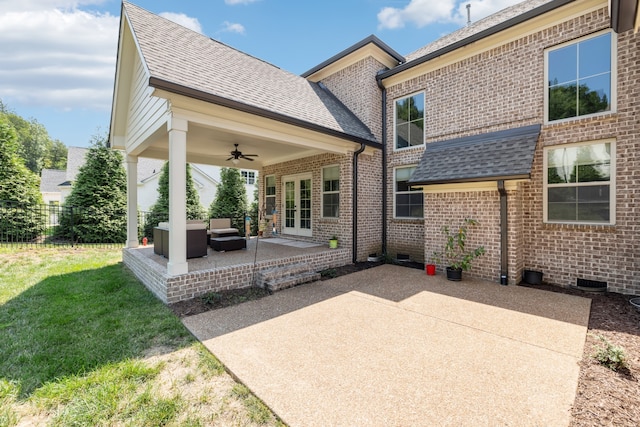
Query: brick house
[526,121]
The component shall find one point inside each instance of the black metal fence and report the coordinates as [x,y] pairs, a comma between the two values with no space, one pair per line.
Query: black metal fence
[54,225]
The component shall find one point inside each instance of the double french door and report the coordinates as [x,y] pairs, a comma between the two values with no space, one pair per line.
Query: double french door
[296,219]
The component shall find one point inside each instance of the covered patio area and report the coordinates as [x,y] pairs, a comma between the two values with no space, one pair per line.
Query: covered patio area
[230,109]
[220,271]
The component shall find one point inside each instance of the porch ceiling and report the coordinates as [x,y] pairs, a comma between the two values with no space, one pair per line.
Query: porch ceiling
[213,130]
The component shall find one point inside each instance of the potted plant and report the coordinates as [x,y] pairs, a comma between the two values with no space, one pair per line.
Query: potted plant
[262,225]
[430,267]
[456,255]
[333,242]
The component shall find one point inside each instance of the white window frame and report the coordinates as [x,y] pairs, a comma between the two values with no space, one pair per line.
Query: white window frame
[275,186]
[424,119]
[249,177]
[614,75]
[611,183]
[395,192]
[330,192]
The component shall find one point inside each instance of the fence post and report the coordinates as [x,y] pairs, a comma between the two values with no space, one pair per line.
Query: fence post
[72,225]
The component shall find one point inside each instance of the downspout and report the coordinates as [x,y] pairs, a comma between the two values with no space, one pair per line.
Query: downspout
[355,203]
[384,163]
[504,260]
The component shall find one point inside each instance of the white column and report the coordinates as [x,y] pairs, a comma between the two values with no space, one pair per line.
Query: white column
[177,197]
[132,201]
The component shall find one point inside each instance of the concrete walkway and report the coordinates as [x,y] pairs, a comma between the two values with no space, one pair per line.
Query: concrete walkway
[391,346]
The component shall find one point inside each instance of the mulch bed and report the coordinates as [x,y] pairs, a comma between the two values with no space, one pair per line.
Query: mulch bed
[604,397]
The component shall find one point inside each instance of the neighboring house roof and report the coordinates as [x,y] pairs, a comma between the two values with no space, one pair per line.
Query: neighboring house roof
[506,154]
[185,62]
[50,179]
[148,168]
[75,160]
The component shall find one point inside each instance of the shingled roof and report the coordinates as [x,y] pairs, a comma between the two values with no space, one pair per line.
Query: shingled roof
[183,61]
[478,26]
[506,154]
[485,27]
[50,179]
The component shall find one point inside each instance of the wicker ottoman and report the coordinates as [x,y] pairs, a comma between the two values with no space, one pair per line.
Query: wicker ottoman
[230,243]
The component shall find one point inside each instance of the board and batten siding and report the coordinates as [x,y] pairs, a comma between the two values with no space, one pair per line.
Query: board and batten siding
[146,112]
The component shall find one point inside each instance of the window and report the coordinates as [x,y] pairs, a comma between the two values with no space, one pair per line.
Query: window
[409,117]
[331,192]
[579,183]
[408,200]
[270,194]
[579,78]
[249,177]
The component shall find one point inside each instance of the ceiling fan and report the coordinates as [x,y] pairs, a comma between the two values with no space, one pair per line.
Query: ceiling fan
[236,155]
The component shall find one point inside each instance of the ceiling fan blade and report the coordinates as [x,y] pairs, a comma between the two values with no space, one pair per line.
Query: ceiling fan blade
[246,158]
[250,155]
[229,158]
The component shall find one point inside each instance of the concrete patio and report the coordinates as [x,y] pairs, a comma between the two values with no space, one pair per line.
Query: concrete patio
[391,346]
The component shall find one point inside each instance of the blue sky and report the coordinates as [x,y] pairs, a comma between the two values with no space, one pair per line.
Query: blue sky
[58,56]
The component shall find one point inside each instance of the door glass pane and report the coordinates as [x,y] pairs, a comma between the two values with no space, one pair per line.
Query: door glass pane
[290,204]
[305,204]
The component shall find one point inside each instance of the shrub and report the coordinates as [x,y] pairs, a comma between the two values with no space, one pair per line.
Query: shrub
[611,356]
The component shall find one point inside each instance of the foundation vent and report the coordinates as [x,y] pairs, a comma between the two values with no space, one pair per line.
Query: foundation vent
[591,285]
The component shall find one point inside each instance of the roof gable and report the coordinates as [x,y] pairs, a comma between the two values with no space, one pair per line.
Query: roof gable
[370,46]
[182,61]
[478,27]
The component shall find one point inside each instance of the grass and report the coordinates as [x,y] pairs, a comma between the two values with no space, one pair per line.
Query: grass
[84,343]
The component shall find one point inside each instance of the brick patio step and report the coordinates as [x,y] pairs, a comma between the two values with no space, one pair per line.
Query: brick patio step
[277,278]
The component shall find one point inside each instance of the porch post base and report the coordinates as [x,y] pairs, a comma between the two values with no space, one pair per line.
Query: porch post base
[178,268]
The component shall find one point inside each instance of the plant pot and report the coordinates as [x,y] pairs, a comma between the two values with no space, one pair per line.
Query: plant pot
[333,244]
[454,274]
[260,233]
[431,269]
[532,277]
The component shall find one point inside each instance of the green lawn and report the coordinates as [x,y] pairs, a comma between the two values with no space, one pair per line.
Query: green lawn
[84,343]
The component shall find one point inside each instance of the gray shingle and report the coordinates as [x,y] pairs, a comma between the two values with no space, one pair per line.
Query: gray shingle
[180,56]
[506,154]
[50,179]
[477,27]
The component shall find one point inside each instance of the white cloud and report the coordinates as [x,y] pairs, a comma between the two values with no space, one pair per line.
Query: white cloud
[55,57]
[184,20]
[234,2]
[424,12]
[30,5]
[231,27]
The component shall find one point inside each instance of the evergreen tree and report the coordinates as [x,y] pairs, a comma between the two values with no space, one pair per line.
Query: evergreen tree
[231,198]
[160,210]
[21,216]
[96,209]
[254,213]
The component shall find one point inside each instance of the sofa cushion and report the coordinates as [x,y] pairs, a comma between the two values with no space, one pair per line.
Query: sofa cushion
[216,223]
